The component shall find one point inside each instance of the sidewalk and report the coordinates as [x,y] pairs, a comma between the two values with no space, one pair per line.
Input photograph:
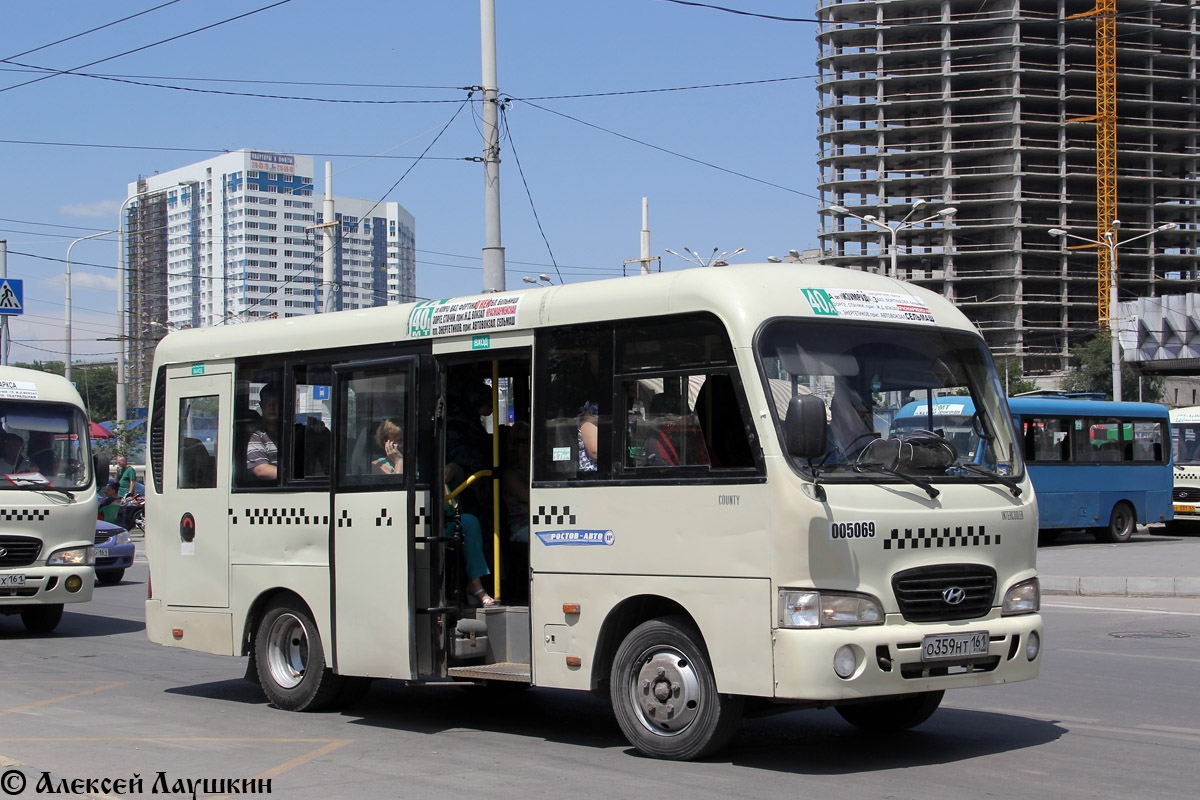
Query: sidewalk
[1151,564]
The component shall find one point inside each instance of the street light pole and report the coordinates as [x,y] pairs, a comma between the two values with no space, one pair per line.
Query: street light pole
[67,312]
[894,229]
[1109,242]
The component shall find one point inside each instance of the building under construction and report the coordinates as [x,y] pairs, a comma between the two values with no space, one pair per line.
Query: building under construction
[990,107]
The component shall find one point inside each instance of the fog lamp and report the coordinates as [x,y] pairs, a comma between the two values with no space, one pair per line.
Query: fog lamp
[1033,645]
[845,661]
[73,583]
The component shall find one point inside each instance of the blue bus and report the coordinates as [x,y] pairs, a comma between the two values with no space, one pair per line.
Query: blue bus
[1095,464]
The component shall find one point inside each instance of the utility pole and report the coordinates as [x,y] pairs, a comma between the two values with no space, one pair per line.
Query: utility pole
[646,257]
[493,251]
[328,242]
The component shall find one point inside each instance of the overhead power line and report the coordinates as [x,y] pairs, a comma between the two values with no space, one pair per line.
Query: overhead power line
[742,13]
[92,30]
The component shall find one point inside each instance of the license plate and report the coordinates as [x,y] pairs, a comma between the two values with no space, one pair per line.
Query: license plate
[101,552]
[1182,509]
[12,580]
[942,646]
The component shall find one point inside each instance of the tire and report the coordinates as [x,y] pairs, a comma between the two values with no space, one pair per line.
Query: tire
[110,577]
[664,694]
[1121,525]
[1048,536]
[139,520]
[892,714]
[42,619]
[291,661]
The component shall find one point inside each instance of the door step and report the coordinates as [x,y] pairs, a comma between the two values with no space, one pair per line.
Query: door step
[502,671]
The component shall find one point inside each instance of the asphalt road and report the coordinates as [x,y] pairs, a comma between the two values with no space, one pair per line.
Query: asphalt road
[1113,714]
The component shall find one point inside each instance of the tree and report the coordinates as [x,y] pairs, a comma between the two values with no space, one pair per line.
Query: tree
[129,439]
[1091,371]
[96,384]
[1012,375]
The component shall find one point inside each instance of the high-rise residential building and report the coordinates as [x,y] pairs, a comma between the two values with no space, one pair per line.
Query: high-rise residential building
[991,108]
[232,239]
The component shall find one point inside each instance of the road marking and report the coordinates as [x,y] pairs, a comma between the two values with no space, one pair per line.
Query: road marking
[1123,610]
[1125,655]
[39,703]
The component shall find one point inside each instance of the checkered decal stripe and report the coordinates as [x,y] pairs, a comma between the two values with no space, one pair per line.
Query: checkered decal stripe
[424,520]
[553,516]
[279,516]
[384,520]
[929,538]
[24,514]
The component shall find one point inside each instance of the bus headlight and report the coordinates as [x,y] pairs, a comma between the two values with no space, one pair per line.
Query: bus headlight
[1022,598]
[808,608]
[73,557]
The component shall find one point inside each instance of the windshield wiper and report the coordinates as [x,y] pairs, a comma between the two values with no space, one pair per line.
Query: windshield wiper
[25,483]
[1013,486]
[926,485]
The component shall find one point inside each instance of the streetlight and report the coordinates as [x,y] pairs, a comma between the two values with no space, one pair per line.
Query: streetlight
[67,313]
[1109,242]
[895,228]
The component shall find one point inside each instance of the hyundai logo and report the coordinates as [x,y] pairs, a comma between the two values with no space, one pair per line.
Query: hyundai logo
[954,595]
[3,552]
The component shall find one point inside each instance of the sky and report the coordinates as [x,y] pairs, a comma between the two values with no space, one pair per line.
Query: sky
[602,114]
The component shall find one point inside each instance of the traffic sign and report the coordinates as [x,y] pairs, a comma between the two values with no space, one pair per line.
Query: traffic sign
[12,296]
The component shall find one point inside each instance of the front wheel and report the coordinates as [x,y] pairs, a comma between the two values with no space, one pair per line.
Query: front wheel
[664,694]
[892,714]
[291,660]
[1121,525]
[42,619]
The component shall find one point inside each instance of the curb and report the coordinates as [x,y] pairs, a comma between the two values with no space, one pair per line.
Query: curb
[1120,587]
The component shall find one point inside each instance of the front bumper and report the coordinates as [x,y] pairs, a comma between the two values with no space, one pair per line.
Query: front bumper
[47,585]
[889,658]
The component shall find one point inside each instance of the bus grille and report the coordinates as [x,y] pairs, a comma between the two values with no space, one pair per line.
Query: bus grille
[922,592]
[1185,495]
[19,551]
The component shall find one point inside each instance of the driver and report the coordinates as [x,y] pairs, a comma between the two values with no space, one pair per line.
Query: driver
[851,425]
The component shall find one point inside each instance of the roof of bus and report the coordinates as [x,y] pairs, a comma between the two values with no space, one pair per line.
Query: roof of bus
[30,384]
[1051,404]
[742,295]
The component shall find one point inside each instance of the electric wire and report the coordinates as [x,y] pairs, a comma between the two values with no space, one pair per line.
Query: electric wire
[92,30]
[146,47]
[512,146]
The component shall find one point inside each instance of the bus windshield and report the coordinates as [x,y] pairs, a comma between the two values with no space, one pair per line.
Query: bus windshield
[865,373]
[43,444]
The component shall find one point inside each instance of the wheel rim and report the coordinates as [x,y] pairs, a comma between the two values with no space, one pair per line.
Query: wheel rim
[287,651]
[665,690]
[1122,522]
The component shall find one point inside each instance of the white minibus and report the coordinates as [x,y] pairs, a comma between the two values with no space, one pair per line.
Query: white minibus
[669,485]
[47,498]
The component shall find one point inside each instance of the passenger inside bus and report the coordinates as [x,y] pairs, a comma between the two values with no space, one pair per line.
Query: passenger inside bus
[12,460]
[262,452]
[468,451]
[389,437]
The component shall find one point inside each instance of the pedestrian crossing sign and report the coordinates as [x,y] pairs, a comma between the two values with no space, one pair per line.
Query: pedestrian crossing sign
[12,296]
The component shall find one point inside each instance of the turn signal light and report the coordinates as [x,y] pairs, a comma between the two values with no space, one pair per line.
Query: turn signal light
[570,608]
[574,661]
[177,633]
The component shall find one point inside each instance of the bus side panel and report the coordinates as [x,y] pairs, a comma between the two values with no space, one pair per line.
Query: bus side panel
[1062,500]
[203,631]
[252,582]
[732,615]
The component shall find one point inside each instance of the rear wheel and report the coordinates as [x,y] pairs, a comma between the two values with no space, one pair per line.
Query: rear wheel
[1121,524]
[291,661]
[664,694]
[110,577]
[42,619]
[892,714]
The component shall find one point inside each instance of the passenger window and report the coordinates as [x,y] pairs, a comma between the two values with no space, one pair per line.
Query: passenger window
[575,436]
[258,425]
[372,438]
[313,423]
[1148,442]
[1046,440]
[199,422]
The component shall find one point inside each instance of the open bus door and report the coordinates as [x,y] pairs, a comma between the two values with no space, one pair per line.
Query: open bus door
[379,512]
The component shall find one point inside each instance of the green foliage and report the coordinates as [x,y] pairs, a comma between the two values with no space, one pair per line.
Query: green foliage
[1012,376]
[1091,371]
[96,384]
[127,440]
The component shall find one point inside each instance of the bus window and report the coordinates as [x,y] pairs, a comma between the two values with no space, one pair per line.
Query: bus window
[258,418]
[1049,439]
[371,439]
[576,406]
[1148,441]
[313,421]
[199,422]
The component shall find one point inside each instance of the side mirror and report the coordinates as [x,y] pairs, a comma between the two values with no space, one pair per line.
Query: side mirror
[100,467]
[806,430]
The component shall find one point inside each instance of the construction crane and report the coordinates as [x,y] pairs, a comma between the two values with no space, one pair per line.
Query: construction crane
[1105,14]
